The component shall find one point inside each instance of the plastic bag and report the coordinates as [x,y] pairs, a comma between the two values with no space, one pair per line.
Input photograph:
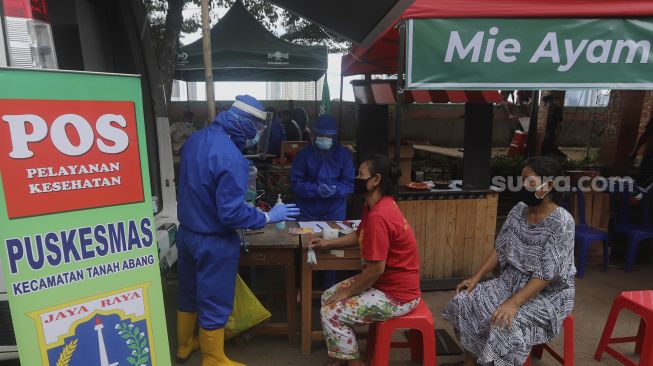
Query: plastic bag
[247,313]
[310,257]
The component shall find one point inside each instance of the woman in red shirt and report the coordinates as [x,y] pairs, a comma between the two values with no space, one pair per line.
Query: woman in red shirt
[388,286]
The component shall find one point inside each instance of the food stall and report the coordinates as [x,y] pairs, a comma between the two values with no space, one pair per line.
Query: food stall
[463,48]
[454,222]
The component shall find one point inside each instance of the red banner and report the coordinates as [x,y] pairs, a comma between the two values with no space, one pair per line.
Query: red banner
[60,156]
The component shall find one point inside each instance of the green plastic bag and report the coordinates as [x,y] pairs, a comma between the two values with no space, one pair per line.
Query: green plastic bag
[247,313]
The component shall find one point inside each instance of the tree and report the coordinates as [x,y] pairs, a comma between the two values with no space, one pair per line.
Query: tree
[167,23]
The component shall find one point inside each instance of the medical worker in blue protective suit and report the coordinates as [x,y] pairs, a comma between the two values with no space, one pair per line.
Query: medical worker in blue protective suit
[212,185]
[322,176]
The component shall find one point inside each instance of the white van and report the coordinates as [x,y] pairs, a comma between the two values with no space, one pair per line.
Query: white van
[100,36]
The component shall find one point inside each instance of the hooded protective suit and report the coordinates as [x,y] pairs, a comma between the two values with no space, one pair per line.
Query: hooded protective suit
[313,169]
[212,186]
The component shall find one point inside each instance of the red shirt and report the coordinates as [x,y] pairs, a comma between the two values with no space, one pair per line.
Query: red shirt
[384,234]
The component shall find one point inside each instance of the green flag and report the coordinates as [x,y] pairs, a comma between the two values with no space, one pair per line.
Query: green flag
[325,107]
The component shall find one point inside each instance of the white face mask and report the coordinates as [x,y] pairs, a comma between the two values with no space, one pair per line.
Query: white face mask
[324,143]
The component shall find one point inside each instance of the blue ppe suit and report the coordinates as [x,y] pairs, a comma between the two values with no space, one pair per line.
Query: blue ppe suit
[212,185]
[312,167]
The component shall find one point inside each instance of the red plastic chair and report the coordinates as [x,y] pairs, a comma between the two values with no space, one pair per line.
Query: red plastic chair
[567,358]
[421,340]
[640,303]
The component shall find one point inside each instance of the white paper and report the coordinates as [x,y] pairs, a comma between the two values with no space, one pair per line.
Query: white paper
[342,226]
[315,225]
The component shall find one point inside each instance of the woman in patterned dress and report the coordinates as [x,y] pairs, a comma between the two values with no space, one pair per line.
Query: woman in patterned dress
[388,286]
[498,321]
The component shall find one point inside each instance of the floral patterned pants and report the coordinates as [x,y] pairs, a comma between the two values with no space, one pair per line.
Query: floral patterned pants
[368,307]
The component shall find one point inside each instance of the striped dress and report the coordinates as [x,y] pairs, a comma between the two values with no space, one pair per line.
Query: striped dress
[544,250]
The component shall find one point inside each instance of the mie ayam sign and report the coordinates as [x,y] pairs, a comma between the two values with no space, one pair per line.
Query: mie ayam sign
[532,53]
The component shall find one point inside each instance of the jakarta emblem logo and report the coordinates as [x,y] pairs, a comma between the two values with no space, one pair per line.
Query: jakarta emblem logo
[110,329]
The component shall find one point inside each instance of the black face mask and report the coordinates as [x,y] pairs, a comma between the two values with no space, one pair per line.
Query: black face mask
[529,197]
[360,186]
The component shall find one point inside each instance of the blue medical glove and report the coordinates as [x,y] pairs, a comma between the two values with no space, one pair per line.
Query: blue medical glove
[332,190]
[324,191]
[283,212]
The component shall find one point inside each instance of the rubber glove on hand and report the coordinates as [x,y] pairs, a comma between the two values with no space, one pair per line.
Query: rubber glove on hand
[283,212]
[332,190]
[324,191]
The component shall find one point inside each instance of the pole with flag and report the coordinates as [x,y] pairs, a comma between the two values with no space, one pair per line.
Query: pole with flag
[325,106]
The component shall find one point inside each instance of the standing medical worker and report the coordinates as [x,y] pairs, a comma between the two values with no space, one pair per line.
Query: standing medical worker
[211,205]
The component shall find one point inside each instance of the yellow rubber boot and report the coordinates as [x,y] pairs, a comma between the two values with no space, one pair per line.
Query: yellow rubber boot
[187,342]
[212,345]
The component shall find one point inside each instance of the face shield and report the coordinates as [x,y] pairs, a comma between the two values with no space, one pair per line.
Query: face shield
[258,146]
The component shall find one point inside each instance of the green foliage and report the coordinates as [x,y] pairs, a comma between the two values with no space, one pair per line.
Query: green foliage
[589,161]
[505,162]
[136,342]
[295,29]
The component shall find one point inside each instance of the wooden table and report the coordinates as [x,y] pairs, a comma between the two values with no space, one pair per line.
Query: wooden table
[269,248]
[347,259]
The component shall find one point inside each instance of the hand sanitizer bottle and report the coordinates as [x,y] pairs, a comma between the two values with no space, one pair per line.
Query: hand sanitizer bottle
[280,225]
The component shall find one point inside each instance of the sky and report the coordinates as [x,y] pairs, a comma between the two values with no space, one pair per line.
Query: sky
[229,90]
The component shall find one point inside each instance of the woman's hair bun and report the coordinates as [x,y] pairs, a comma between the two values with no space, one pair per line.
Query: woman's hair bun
[388,170]
[395,172]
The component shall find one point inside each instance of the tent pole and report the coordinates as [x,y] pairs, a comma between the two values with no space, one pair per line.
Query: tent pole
[317,112]
[340,108]
[208,64]
[187,96]
[400,89]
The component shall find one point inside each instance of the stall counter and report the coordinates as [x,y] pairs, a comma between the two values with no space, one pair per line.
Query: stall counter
[455,231]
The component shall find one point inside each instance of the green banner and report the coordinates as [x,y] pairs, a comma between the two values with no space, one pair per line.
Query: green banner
[79,254]
[325,106]
[529,53]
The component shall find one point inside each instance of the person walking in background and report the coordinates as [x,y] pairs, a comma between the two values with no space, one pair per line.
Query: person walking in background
[293,131]
[645,174]
[553,128]
[300,116]
[276,133]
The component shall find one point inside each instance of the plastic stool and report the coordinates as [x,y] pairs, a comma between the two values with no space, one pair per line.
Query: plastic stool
[421,339]
[640,303]
[567,358]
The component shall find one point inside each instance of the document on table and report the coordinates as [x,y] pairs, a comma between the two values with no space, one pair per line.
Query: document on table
[345,226]
[316,226]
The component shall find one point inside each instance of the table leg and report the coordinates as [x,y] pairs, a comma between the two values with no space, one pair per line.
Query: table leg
[291,301]
[307,304]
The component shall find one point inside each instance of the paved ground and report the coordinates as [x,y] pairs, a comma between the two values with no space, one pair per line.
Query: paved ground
[593,300]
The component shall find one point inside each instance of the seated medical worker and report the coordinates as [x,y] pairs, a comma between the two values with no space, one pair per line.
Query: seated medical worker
[211,205]
[388,286]
[322,175]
